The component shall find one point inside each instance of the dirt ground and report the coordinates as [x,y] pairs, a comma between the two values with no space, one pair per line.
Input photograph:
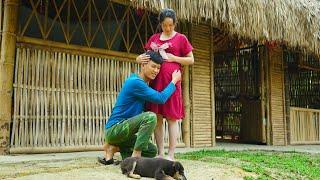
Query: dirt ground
[83,165]
[88,168]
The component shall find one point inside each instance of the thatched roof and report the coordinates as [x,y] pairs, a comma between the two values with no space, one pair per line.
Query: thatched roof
[295,23]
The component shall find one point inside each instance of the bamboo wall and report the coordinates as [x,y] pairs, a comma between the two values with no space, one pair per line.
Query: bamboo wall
[276,99]
[202,124]
[62,100]
[304,126]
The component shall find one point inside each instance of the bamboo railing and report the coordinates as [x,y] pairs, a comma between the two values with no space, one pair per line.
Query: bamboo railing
[304,126]
[62,100]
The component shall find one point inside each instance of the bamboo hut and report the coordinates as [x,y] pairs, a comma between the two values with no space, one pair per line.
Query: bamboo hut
[63,63]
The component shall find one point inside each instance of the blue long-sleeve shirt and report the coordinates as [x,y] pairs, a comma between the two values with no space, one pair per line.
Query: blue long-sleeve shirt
[132,97]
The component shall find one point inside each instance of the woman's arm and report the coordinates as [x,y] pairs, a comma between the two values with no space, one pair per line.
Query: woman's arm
[187,60]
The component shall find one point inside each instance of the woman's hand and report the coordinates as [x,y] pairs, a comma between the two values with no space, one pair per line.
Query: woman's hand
[187,60]
[143,58]
[171,57]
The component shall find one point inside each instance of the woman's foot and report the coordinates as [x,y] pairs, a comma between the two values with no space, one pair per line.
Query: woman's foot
[160,156]
[170,158]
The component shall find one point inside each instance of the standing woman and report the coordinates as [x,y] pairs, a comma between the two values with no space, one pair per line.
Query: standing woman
[176,50]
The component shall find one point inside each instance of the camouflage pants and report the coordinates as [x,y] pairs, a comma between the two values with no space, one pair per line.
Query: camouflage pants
[134,134]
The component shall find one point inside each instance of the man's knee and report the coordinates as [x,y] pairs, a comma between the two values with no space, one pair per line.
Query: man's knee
[151,151]
[152,117]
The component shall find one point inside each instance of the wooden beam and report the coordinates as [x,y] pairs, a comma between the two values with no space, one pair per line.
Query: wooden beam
[78,49]
[63,149]
[8,45]
[307,67]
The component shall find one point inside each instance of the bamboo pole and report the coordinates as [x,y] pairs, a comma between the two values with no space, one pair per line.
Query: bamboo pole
[68,71]
[47,82]
[268,97]
[186,99]
[213,109]
[284,112]
[54,103]
[14,139]
[8,44]
[263,97]
[72,97]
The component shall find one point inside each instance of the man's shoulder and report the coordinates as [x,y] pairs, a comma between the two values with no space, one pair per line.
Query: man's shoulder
[134,79]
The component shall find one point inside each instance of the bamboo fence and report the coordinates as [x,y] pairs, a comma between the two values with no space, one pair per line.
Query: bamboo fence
[304,126]
[63,99]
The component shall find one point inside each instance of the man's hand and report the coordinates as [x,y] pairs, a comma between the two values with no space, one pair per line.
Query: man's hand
[143,58]
[176,76]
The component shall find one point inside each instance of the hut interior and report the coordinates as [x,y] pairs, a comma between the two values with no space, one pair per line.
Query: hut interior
[238,82]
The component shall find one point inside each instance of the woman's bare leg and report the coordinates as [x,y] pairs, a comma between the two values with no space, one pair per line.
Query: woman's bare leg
[158,134]
[173,136]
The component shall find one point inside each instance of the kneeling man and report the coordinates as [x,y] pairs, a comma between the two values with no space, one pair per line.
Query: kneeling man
[129,129]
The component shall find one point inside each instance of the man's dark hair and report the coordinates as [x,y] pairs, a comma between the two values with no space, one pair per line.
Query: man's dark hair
[164,13]
[155,57]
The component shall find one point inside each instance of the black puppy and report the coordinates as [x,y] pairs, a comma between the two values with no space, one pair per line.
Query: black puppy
[157,168]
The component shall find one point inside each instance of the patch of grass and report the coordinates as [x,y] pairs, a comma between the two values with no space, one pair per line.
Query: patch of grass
[289,165]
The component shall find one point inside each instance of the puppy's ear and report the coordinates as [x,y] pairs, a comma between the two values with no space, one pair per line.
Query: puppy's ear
[177,166]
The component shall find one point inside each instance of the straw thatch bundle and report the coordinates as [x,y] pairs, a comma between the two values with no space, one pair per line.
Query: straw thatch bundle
[295,23]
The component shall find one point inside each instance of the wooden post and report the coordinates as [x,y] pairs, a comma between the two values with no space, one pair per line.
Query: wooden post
[263,95]
[8,44]
[186,99]
[213,106]
[213,126]
[276,103]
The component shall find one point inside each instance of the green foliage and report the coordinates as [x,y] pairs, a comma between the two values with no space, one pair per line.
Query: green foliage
[267,165]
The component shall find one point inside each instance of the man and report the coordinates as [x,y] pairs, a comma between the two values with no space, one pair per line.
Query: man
[129,129]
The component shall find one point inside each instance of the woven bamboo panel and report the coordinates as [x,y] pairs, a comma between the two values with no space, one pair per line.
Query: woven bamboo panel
[304,126]
[202,132]
[62,99]
[277,111]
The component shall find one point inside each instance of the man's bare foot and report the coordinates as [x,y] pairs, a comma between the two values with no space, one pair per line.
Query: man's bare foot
[110,150]
[136,153]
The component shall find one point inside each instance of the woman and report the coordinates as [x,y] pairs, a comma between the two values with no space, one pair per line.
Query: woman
[176,50]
